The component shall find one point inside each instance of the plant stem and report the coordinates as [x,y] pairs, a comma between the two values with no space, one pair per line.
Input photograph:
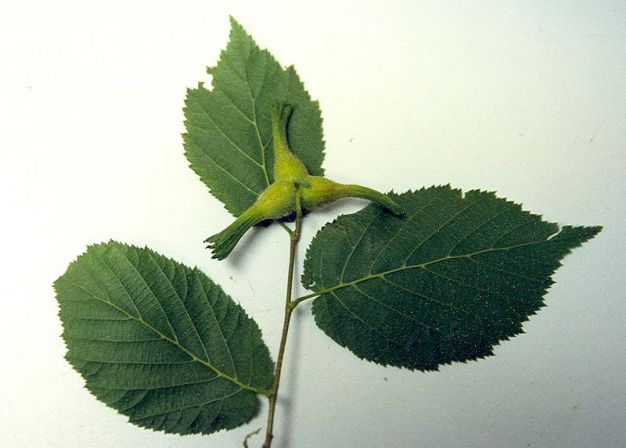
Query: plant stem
[299,300]
[273,398]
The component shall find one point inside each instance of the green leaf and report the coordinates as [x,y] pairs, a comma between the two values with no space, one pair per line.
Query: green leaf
[160,342]
[455,277]
[229,141]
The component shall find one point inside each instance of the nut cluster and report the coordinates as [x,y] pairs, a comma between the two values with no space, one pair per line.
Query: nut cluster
[292,183]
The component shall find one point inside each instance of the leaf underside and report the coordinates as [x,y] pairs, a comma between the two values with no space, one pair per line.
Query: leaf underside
[455,277]
[160,342]
[228,141]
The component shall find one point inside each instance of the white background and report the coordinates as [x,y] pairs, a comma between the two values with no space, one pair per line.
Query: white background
[524,98]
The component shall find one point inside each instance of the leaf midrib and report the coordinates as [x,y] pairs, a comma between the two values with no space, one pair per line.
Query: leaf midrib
[177,344]
[405,267]
[254,121]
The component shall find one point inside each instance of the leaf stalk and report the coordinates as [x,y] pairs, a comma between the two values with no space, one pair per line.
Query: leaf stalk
[294,303]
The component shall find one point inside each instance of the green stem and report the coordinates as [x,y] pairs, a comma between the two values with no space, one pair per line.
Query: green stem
[273,398]
[294,303]
[286,228]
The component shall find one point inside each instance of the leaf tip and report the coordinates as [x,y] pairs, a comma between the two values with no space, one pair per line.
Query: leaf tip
[233,21]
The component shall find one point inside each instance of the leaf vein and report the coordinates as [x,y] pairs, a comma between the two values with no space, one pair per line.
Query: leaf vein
[441,227]
[429,298]
[182,304]
[408,220]
[144,417]
[231,175]
[219,328]
[174,342]
[501,212]
[221,131]
[375,330]
[397,311]
[354,248]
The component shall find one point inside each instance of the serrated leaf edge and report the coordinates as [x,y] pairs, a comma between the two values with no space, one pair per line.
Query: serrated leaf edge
[161,335]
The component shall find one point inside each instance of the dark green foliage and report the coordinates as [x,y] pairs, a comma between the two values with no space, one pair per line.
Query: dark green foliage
[229,140]
[160,342]
[448,282]
[165,346]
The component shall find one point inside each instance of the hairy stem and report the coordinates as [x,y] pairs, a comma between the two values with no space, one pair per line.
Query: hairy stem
[273,398]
